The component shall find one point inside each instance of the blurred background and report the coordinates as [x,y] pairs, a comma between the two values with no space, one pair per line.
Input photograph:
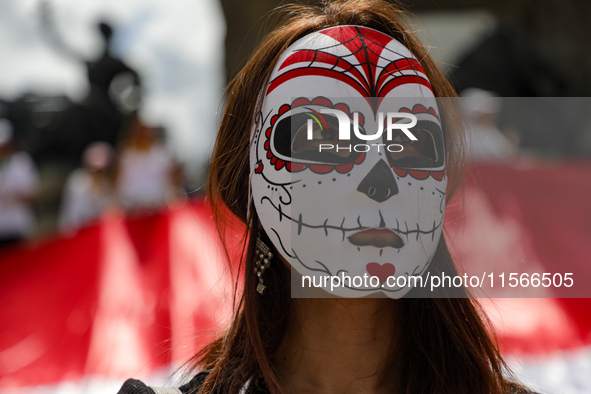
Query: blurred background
[108,112]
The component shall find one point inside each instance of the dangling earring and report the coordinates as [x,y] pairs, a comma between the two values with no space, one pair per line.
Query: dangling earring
[264,259]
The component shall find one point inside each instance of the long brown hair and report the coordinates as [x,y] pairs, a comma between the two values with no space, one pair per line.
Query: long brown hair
[446,346]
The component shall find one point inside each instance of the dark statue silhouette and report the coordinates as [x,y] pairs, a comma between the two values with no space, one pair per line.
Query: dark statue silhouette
[113,98]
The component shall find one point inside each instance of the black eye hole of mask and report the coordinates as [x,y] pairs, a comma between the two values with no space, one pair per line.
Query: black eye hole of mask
[426,152]
[290,140]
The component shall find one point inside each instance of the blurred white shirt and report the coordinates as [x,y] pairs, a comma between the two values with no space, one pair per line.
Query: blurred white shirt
[18,182]
[145,177]
[84,199]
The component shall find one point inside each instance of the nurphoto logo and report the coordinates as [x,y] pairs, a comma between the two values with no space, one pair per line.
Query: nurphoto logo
[392,121]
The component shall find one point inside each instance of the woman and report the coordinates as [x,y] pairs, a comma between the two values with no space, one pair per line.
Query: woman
[279,167]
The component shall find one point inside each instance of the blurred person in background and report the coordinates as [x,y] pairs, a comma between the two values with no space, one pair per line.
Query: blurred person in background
[145,171]
[18,185]
[485,140]
[89,190]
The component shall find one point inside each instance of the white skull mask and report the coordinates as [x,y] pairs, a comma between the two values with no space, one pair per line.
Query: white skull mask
[361,211]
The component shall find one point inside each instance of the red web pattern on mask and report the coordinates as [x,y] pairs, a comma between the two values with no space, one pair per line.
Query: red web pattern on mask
[368,47]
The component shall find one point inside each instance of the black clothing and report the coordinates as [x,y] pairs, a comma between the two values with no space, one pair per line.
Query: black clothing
[132,386]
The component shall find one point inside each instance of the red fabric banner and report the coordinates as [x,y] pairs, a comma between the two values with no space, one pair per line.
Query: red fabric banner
[529,217]
[119,298]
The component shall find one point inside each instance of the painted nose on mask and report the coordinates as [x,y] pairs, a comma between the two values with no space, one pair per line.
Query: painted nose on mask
[379,184]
